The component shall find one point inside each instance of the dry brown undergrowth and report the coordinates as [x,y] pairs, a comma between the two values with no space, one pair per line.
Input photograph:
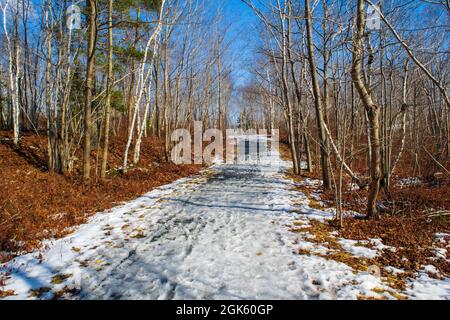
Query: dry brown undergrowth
[413,235]
[37,205]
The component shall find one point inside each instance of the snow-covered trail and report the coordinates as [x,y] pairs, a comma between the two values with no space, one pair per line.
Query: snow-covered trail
[216,239]
[221,235]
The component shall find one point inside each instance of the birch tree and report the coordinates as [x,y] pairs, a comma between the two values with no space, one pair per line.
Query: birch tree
[144,75]
[109,85]
[13,52]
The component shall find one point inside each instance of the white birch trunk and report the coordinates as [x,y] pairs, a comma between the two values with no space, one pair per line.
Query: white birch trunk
[141,85]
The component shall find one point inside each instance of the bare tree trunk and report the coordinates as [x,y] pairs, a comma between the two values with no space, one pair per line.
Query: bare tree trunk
[109,84]
[299,127]
[144,74]
[48,92]
[373,111]
[219,79]
[284,70]
[317,100]
[13,71]
[16,109]
[157,129]
[63,141]
[137,149]
[166,113]
[2,105]
[90,74]
[403,114]
[272,104]
[131,98]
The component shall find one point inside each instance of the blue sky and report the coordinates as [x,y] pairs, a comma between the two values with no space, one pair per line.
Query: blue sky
[242,37]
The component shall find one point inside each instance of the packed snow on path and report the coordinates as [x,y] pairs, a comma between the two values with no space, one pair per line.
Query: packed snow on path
[221,235]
